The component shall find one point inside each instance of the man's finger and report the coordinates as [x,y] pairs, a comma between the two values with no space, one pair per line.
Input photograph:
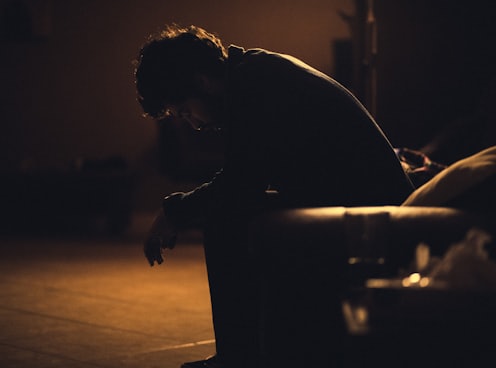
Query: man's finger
[158,257]
[149,258]
[152,250]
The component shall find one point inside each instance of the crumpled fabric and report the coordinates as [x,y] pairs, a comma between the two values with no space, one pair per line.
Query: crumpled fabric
[466,265]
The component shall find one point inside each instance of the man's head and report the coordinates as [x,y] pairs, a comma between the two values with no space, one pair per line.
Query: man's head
[176,66]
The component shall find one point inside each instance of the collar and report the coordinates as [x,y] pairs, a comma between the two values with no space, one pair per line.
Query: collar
[235,54]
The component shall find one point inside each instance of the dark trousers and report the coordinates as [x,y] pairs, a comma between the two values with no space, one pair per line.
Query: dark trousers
[241,306]
[234,291]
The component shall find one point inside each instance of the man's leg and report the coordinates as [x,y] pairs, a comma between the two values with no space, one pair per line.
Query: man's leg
[234,292]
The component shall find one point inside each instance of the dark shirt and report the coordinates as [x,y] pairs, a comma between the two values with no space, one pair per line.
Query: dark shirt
[295,130]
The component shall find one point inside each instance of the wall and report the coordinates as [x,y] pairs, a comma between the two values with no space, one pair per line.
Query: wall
[435,72]
[70,93]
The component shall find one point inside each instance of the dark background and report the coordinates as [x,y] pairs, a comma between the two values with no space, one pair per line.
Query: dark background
[75,148]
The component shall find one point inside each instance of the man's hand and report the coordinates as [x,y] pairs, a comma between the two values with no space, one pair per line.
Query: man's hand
[161,235]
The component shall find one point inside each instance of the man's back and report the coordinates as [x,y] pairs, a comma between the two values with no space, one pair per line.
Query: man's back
[302,133]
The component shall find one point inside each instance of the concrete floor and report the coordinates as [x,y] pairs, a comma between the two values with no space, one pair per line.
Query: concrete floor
[76,302]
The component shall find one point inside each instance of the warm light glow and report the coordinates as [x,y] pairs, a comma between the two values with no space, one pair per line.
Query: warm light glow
[424,281]
[357,260]
[353,260]
[414,277]
[415,280]
[361,315]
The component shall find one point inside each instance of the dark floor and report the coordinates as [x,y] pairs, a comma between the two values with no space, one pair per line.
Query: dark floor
[95,302]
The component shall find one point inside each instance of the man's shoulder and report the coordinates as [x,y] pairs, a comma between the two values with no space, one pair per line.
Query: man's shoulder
[239,54]
[253,66]
[266,72]
[263,60]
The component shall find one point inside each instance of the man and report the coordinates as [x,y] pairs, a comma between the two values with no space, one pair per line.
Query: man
[287,128]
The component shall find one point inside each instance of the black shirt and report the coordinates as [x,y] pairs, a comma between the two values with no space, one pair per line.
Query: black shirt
[295,130]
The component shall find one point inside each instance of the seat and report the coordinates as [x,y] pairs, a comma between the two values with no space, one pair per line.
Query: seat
[303,256]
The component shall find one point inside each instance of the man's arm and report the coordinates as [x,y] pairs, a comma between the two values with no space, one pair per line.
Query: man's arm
[162,234]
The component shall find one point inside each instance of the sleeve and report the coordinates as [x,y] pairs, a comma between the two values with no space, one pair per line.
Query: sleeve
[231,193]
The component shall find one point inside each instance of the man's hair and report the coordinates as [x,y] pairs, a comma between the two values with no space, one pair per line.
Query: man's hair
[169,65]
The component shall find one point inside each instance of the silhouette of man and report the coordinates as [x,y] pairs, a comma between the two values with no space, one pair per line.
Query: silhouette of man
[287,127]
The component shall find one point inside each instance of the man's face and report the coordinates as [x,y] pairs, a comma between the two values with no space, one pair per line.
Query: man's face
[194,111]
[202,113]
